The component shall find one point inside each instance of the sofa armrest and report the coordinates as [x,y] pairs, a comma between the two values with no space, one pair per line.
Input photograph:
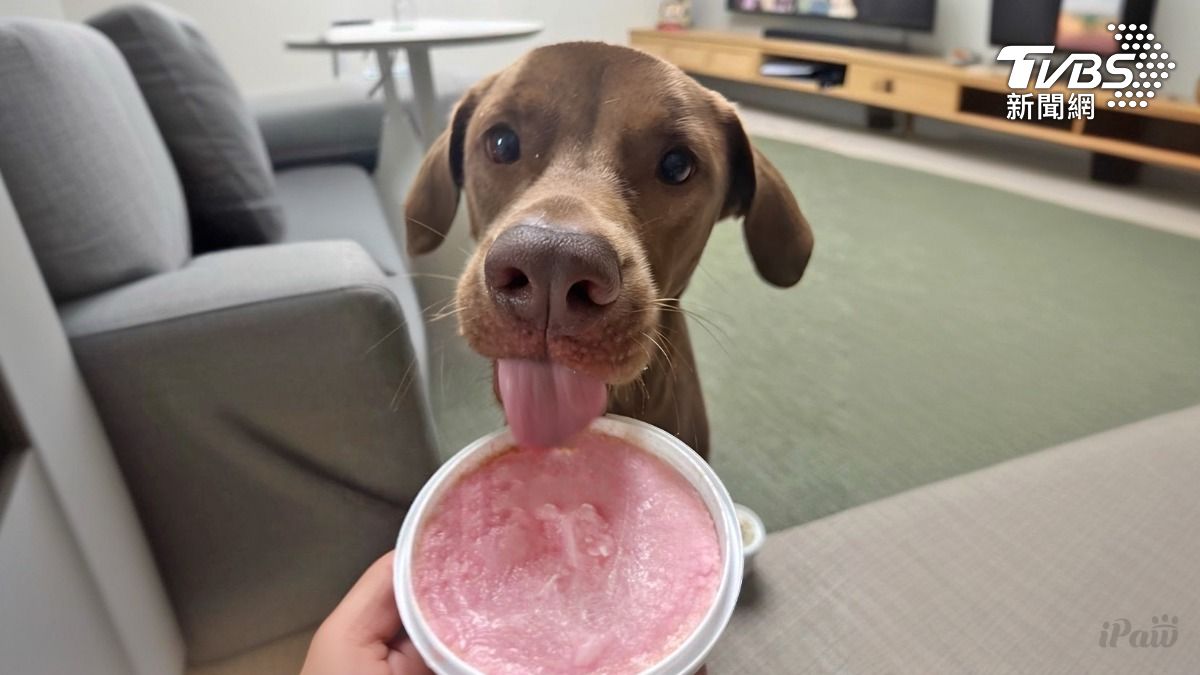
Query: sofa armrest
[225,280]
[262,405]
[337,124]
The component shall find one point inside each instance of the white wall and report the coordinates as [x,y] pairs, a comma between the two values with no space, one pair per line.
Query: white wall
[1177,23]
[44,9]
[249,35]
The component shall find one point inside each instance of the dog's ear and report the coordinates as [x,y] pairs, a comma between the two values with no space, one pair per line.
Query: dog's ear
[433,196]
[778,236]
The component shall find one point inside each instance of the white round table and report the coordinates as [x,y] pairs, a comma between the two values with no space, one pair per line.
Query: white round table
[396,166]
[416,38]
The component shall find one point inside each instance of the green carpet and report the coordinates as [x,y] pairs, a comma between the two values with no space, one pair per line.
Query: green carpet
[941,327]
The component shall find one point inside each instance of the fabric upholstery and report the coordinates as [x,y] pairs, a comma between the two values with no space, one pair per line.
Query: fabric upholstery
[86,167]
[340,123]
[214,140]
[268,421]
[337,201]
[340,201]
[222,280]
[1012,569]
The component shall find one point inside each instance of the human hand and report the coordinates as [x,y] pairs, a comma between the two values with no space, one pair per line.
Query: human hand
[363,635]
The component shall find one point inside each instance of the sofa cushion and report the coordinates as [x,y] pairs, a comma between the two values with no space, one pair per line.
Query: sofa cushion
[339,123]
[88,172]
[1019,568]
[337,202]
[214,140]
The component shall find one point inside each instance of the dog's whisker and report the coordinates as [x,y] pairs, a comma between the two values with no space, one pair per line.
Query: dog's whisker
[444,312]
[708,325]
[692,304]
[704,322]
[404,379]
[445,305]
[714,330]
[442,374]
[436,231]
[712,310]
[440,303]
[430,275]
[432,229]
[671,347]
[444,315]
[383,339]
[646,334]
[662,349]
[641,380]
[687,362]
[717,340]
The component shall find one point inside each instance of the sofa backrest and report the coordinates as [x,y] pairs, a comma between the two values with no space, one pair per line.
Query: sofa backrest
[212,135]
[87,169]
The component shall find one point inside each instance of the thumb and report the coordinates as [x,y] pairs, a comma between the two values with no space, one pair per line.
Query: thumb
[368,614]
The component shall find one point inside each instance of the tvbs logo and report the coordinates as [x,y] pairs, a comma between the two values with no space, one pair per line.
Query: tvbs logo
[1133,73]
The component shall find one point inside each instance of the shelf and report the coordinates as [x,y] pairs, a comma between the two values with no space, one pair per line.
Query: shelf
[810,86]
[1166,133]
[1118,148]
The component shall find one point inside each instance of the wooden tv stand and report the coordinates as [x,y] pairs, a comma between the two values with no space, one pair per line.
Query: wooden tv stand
[1167,133]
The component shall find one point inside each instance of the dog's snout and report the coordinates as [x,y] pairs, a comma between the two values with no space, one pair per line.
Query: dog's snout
[554,279]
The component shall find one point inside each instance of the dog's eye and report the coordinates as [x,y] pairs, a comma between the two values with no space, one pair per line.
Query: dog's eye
[502,143]
[676,166]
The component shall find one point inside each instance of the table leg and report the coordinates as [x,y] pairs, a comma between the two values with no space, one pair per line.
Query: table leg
[386,60]
[424,95]
[400,148]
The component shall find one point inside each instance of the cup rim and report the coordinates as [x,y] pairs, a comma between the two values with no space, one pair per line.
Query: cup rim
[690,654]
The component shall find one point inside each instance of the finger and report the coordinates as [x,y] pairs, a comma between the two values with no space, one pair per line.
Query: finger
[368,614]
[407,661]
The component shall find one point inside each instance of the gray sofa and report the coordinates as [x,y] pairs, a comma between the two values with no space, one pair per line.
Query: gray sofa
[266,404]
[1016,568]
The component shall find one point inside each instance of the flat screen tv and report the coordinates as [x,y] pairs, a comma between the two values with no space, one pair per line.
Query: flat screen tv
[906,14]
[1070,25]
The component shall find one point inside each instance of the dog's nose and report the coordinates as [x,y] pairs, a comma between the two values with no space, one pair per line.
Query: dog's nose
[551,278]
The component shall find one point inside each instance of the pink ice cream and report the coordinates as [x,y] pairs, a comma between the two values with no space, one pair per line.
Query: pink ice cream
[598,558]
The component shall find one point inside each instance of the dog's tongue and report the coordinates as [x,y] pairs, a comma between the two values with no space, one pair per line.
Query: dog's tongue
[547,403]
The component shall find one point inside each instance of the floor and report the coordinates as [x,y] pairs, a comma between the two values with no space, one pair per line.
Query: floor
[942,326]
[284,656]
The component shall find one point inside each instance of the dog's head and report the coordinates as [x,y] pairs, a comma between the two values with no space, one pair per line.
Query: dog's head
[593,176]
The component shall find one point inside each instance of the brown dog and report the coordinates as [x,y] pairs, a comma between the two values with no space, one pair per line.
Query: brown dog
[593,176]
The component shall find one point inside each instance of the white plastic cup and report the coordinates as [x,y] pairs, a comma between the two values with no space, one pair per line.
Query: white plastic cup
[689,656]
